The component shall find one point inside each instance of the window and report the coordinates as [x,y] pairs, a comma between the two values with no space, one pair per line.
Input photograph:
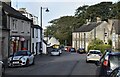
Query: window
[22,31]
[32,32]
[114,61]
[105,34]
[14,24]
[32,47]
[36,33]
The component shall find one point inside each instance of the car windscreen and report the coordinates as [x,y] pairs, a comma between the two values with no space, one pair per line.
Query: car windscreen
[55,50]
[21,53]
[72,49]
[94,52]
[114,61]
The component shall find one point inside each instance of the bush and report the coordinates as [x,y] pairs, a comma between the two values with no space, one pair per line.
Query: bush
[100,47]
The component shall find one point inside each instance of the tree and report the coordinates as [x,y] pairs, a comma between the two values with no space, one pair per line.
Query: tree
[63,27]
[101,10]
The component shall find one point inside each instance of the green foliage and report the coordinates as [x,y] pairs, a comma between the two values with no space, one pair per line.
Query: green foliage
[110,42]
[63,27]
[104,10]
[101,47]
[98,44]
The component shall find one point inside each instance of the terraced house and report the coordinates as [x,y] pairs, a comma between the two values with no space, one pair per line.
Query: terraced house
[16,30]
[82,36]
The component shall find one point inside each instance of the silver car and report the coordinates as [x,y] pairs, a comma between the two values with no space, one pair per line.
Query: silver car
[55,52]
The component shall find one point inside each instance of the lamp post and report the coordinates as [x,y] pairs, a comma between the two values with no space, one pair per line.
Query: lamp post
[41,8]
[46,9]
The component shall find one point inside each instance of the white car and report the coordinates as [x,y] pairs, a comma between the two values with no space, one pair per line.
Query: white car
[21,58]
[55,52]
[93,55]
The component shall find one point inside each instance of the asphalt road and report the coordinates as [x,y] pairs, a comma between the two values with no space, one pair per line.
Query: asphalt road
[66,64]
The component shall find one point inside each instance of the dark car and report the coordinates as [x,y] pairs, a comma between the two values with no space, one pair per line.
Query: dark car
[108,62]
[115,73]
[72,50]
[81,50]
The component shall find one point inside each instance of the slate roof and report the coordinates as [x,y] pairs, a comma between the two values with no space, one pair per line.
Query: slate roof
[116,25]
[87,27]
[13,13]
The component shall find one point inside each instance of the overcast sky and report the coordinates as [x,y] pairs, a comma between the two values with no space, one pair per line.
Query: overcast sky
[57,8]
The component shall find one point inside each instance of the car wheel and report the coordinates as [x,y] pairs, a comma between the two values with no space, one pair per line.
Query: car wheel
[27,62]
[33,62]
[87,61]
[10,65]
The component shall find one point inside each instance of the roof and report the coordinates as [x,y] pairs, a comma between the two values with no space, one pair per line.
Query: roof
[13,13]
[116,25]
[36,26]
[95,50]
[114,53]
[88,27]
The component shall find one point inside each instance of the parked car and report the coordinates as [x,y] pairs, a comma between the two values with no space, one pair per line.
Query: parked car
[21,58]
[55,52]
[81,50]
[60,50]
[67,48]
[72,50]
[108,62]
[115,72]
[93,55]
[2,69]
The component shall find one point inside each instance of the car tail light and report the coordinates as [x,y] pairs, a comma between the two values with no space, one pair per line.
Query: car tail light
[105,63]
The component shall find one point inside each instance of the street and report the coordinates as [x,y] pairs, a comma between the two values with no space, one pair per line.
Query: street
[66,64]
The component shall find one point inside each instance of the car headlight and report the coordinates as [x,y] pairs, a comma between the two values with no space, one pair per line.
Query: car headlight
[23,58]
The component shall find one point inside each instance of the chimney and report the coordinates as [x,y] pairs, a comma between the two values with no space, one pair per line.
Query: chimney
[110,22]
[88,21]
[98,19]
[7,2]
[22,10]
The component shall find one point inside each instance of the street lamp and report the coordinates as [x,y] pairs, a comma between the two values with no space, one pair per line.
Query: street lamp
[41,8]
[46,9]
